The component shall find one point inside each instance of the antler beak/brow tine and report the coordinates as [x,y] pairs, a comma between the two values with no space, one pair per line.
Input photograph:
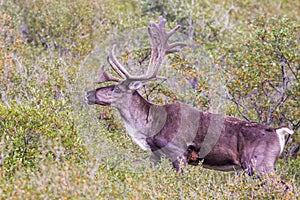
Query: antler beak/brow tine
[104,77]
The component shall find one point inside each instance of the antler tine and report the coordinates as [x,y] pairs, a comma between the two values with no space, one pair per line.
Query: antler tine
[162,22]
[116,65]
[171,32]
[104,77]
[173,45]
[154,50]
[115,68]
[160,46]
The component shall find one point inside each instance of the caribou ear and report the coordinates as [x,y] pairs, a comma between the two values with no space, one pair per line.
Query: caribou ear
[135,85]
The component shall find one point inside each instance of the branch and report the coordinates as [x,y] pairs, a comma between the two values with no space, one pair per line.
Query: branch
[152,89]
[296,125]
[238,105]
[285,61]
[274,87]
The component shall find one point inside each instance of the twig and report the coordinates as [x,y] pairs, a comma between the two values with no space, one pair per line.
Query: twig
[238,105]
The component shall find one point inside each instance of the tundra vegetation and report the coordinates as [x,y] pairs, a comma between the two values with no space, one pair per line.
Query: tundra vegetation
[242,60]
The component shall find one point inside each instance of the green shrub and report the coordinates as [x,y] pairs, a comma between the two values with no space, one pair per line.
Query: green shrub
[31,130]
[262,71]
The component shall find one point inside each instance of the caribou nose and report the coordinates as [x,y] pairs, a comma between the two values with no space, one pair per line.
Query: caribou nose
[90,97]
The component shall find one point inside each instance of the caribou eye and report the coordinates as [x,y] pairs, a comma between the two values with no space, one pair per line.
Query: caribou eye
[117,89]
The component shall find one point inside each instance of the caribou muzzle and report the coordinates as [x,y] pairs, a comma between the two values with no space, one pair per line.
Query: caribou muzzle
[90,97]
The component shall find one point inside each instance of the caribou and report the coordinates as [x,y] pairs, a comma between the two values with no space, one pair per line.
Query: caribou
[178,131]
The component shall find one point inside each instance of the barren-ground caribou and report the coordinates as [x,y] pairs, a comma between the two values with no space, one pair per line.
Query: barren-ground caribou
[180,132]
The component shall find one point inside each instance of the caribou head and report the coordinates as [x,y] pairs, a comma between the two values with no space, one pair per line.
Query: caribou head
[114,95]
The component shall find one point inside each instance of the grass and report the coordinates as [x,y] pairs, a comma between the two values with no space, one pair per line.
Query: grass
[113,172]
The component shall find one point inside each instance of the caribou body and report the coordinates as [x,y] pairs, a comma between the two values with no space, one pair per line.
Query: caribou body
[179,131]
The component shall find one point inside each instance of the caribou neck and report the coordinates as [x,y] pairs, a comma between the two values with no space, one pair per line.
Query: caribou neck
[135,112]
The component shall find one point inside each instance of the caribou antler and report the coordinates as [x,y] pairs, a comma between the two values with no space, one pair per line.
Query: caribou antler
[104,77]
[160,48]
[116,65]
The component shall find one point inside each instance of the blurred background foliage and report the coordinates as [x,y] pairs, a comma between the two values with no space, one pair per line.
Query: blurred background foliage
[242,60]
